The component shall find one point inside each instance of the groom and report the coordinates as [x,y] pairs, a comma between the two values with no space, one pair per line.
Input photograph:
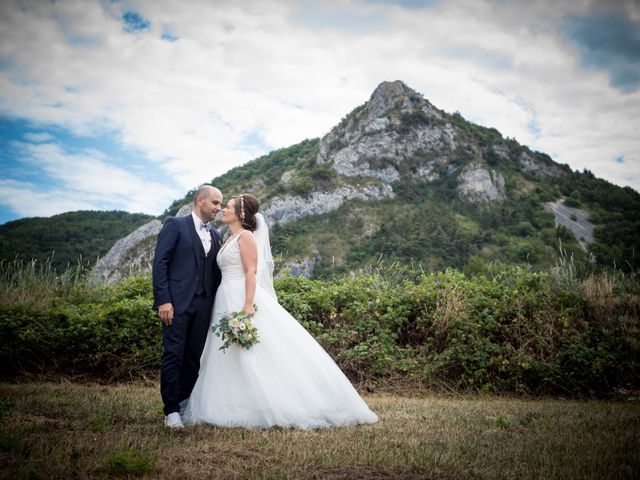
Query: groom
[185,279]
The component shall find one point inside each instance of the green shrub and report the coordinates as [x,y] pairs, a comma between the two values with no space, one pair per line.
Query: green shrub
[503,329]
[115,335]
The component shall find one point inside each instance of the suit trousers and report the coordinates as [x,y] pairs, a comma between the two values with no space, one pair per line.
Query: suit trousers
[183,342]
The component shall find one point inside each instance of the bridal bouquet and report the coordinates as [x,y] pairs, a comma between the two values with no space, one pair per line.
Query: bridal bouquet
[236,328]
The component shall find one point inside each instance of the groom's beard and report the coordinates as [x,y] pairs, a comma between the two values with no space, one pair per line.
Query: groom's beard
[205,216]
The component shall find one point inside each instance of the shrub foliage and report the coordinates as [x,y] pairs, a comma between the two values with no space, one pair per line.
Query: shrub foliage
[510,331]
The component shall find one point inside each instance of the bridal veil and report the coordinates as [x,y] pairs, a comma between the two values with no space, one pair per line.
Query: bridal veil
[265,258]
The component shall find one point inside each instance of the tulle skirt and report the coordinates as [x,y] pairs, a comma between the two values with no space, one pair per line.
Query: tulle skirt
[286,380]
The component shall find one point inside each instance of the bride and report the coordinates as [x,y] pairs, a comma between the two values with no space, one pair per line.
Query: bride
[287,379]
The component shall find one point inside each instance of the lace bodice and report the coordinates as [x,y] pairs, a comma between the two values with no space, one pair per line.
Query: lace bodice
[229,260]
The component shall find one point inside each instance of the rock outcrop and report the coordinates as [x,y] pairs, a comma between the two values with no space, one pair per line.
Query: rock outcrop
[302,268]
[427,172]
[530,163]
[186,209]
[478,185]
[131,254]
[394,125]
[289,208]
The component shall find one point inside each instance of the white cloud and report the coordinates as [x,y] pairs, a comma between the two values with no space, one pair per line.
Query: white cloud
[29,200]
[38,137]
[83,180]
[238,68]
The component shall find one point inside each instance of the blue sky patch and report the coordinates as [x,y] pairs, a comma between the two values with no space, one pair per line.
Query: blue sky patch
[17,164]
[168,35]
[534,128]
[255,139]
[607,42]
[134,22]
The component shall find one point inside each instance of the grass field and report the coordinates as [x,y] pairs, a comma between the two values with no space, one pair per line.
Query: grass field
[70,430]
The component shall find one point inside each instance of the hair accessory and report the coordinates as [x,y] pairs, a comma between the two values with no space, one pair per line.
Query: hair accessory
[242,207]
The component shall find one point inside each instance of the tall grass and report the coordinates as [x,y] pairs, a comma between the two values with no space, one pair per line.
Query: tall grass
[611,293]
[38,284]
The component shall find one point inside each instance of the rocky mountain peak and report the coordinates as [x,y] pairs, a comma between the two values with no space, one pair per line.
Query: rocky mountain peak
[393,127]
[397,88]
[389,95]
[398,135]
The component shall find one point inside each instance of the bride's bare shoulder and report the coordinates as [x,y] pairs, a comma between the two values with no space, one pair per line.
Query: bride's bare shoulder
[246,239]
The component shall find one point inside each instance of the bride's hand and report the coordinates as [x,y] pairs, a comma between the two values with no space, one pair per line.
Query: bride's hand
[249,310]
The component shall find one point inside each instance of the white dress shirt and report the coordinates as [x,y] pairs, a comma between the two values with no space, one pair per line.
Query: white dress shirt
[203,232]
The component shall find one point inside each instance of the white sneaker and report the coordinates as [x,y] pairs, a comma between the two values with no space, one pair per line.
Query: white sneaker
[173,421]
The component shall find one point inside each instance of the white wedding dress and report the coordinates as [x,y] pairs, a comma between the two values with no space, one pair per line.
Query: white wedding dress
[286,380]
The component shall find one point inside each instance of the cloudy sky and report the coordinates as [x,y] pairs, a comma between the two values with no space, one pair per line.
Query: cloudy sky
[129,104]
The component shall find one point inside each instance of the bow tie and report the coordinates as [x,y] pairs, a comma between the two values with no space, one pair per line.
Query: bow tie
[206,226]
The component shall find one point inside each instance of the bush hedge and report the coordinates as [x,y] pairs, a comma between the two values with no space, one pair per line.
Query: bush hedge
[513,331]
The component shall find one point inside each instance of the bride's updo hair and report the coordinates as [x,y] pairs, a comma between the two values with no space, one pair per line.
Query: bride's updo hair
[246,207]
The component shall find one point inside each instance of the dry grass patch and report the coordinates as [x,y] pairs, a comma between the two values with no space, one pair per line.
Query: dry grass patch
[69,430]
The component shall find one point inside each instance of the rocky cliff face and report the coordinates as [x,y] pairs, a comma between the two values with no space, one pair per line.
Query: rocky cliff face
[131,254]
[291,208]
[392,127]
[479,185]
[534,165]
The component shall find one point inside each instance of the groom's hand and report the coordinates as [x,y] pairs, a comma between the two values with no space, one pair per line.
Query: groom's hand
[165,312]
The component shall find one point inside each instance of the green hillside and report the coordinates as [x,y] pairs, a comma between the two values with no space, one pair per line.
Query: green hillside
[427,225]
[68,238]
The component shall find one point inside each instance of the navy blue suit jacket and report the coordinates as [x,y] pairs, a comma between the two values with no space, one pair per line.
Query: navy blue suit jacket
[179,263]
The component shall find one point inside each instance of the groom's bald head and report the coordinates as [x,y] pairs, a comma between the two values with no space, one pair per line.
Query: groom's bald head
[207,202]
[206,191]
